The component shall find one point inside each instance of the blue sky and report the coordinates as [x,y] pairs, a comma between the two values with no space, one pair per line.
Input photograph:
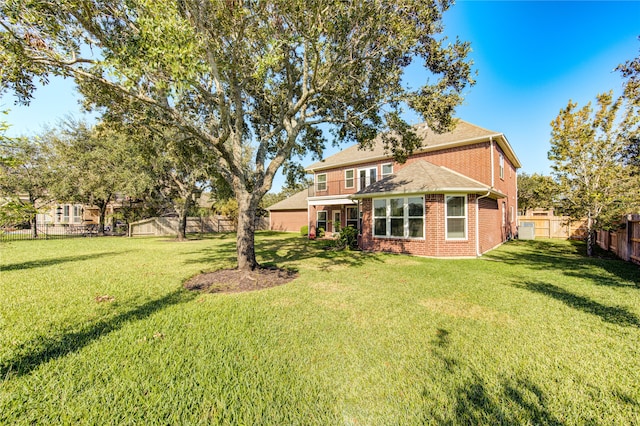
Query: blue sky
[532,57]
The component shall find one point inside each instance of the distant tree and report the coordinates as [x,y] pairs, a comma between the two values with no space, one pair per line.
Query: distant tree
[91,164]
[289,189]
[179,172]
[24,180]
[630,70]
[536,191]
[245,76]
[588,154]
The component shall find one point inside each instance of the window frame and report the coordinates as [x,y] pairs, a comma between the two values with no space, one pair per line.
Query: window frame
[352,222]
[318,182]
[465,217]
[77,213]
[66,213]
[406,218]
[326,220]
[501,165]
[352,179]
[367,176]
[382,173]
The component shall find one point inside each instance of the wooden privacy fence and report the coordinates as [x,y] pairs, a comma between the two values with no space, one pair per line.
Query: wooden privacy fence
[624,242]
[556,227]
[163,226]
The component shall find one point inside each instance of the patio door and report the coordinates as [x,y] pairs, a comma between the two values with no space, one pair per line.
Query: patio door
[336,221]
[367,176]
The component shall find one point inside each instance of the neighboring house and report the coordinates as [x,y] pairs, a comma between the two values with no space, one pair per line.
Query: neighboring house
[454,196]
[289,214]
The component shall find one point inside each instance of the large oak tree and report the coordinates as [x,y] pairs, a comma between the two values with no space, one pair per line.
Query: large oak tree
[258,77]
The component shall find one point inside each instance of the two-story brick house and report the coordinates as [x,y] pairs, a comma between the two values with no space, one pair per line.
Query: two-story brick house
[454,196]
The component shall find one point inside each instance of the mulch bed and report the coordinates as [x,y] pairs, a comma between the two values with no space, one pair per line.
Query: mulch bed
[235,281]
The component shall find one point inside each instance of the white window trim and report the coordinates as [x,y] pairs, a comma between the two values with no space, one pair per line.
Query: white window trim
[346,216]
[368,175]
[326,221]
[353,178]
[406,218]
[466,218]
[318,182]
[501,164]
[382,174]
[336,214]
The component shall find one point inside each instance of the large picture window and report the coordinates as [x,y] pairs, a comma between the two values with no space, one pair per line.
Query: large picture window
[456,217]
[401,217]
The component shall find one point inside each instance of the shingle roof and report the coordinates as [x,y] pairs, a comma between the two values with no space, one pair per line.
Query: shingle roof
[423,177]
[297,201]
[463,132]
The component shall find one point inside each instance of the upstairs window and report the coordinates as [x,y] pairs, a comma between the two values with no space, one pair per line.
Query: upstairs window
[367,177]
[387,169]
[501,162]
[349,178]
[321,182]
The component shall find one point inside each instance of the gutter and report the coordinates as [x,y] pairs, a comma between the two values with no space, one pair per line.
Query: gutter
[478,221]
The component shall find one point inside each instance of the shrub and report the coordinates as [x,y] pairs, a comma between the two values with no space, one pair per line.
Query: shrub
[320,233]
[304,231]
[348,238]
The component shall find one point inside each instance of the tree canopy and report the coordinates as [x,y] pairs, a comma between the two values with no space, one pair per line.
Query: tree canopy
[536,191]
[246,77]
[588,150]
[91,164]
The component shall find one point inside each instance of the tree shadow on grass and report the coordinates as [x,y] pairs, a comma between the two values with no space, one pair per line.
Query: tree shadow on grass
[40,263]
[518,402]
[611,314]
[292,250]
[43,349]
[282,251]
[571,260]
[514,400]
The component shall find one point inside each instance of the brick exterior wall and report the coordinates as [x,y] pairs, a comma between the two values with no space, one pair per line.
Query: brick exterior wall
[287,220]
[496,218]
[435,243]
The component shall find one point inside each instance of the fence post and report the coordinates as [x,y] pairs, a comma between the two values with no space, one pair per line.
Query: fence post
[629,237]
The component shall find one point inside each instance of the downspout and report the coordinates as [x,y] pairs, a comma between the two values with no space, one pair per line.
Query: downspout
[517,215]
[484,196]
[478,254]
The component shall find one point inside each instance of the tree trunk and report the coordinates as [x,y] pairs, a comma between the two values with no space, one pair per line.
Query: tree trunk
[34,225]
[589,235]
[103,214]
[245,240]
[183,212]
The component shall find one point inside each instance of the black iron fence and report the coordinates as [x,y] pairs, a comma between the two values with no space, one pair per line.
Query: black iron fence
[49,231]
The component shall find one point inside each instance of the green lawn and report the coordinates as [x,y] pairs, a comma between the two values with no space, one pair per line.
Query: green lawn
[100,331]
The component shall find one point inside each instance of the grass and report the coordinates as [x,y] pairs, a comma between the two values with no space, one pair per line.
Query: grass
[100,331]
